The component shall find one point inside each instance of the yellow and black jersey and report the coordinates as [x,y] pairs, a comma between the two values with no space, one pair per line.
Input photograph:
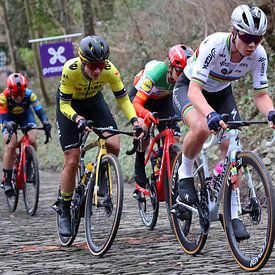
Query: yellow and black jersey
[74,85]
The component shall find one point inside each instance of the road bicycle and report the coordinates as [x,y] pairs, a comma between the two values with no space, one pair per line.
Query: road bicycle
[159,157]
[25,174]
[244,181]
[98,196]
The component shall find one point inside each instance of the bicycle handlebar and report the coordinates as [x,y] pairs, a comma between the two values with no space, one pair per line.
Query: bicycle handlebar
[100,131]
[235,125]
[25,130]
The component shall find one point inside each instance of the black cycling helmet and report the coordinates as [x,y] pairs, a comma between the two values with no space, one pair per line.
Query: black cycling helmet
[93,49]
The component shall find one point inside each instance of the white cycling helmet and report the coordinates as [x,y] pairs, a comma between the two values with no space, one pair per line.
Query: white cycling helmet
[249,19]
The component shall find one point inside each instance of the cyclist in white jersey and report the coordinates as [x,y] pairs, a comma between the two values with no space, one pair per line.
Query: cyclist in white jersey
[203,92]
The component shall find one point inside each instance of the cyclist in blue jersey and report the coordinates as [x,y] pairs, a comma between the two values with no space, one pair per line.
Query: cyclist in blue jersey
[15,102]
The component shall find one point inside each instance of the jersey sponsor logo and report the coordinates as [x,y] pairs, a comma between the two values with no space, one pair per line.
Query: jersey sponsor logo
[65,76]
[224,63]
[263,82]
[117,74]
[33,97]
[147,85]
[73,66]
[208,59]
[17,110]
[244,65]
[262,60]
[238,71]
[107,65]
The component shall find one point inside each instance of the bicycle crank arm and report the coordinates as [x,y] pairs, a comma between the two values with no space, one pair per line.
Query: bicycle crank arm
[194,210]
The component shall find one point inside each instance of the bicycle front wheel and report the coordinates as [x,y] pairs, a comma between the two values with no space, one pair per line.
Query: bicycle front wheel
[186,224]
[255,194]
[31,183]
[103,209]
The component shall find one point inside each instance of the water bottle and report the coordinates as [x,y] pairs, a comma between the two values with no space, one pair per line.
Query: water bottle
[88,170]
[158,161]
[216,174]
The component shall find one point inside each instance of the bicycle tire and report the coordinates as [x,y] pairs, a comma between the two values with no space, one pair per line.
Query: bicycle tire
[31,185]
[188,230]
[148,206]
[173,151]
[102,217]
[257,215]
[12,201]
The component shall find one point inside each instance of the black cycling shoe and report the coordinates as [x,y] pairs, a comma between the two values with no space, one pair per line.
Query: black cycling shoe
[8,189]
[239,230]
[64,227]
[187,191]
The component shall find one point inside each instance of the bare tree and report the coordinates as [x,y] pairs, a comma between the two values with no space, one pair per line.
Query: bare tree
[11,43]
[29,13]
[87,17]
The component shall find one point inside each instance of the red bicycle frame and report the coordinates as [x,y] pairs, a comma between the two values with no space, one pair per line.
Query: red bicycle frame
[166,138]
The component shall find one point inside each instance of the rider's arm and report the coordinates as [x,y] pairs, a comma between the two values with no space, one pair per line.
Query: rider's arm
[197,99]
[120,93]
[260,84]
[125,104]
[37,106]
[138,102]
[3,109]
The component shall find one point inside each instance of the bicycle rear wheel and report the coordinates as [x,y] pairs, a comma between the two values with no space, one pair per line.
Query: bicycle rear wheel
[103,211]
[257,207]
[174,150]
[148,205]
[32,184]
[186,224]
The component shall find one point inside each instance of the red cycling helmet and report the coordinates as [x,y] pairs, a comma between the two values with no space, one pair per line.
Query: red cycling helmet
[178,56]
[17,84]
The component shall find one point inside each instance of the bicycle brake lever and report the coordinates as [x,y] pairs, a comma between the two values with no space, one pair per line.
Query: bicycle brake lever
[134,149]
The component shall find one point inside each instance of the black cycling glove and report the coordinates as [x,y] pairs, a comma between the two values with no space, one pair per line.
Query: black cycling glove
[213,121]
[47,126]
[82,124]
[11,126]
[271,116]
[137,130]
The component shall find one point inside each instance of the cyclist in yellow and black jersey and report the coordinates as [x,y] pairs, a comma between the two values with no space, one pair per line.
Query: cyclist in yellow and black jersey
[79,99]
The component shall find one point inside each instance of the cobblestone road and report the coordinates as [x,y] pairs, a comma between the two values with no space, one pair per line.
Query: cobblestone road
[29,245]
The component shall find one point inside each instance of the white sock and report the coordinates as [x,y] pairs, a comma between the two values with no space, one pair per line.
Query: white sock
[186,168]
[235,203]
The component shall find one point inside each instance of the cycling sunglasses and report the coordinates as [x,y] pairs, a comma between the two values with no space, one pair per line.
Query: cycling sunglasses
[16,94]
[94,65]
[249,38]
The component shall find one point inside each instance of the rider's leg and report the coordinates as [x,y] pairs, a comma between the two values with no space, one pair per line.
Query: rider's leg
[192,144]
[33,138]
[67,185]
[8,161]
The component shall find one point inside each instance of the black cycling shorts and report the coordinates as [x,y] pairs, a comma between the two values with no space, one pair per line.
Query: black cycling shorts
[163,106]
[94,108]
[222,102]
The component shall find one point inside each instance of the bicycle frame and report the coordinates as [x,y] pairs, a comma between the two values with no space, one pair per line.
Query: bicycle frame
[21,146]
[233,149]
[168,135]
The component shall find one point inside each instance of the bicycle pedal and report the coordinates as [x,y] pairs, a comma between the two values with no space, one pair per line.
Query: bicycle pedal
[138,197]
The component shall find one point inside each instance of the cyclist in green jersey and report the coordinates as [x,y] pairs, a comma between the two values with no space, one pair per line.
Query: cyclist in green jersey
[152,92]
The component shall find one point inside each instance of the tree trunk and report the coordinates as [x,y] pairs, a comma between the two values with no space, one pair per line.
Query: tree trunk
[11,44]
[36,53]
[87,17]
